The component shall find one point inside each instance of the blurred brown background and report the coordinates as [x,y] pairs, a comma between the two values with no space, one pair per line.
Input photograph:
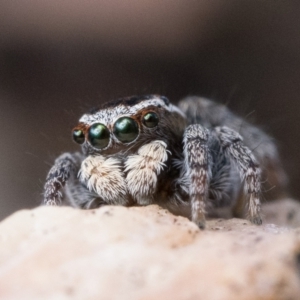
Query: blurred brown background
[58,58]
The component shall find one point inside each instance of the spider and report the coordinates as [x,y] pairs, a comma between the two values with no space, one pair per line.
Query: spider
[143,149]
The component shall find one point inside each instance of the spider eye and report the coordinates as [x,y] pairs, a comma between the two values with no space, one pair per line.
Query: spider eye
[126,129]
[78,136]
[150,119]
[98,135]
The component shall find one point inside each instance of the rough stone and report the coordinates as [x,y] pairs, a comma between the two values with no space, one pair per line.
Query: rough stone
[144,253]
[285,212]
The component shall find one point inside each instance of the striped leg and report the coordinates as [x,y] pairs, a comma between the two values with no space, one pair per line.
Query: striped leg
[67,165]
[197,166]
[248,167]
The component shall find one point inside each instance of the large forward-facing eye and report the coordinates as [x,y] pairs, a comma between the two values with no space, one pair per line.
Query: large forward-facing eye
[98,135]
[150,119]
[126,129]
[78,136]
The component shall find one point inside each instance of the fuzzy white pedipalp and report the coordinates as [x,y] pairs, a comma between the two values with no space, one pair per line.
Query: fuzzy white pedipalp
[104,176]
[143,169]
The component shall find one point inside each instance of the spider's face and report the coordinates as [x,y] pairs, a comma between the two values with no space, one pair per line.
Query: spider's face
[127,123]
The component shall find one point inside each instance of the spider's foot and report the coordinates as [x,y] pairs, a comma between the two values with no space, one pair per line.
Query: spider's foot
[200,221]
[201,225]
[254,210]
[51,202]
[255,220]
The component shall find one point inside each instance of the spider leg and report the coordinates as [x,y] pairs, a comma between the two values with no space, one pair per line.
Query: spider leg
[197,161]
[67,165]
[143,169]
[211,114]
[104,177]
[249,170]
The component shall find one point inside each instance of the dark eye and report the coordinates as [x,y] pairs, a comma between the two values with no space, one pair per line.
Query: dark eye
[98,135]
[150,119]
[126,129]
[78,136]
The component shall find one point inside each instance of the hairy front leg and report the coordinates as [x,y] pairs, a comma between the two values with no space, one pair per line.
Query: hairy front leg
[197,162]
[65,167]
[248,167]
[104,177]
[143,169]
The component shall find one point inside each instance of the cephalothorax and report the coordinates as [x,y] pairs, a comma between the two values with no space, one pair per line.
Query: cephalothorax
[144,150]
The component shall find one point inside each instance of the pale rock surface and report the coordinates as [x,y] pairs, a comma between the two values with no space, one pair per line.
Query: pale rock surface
[144,253]
[285,212]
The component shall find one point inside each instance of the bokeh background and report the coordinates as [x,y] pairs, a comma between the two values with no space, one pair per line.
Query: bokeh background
[59,58]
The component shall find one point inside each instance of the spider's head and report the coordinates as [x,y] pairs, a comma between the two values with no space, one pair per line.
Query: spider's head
[127,123]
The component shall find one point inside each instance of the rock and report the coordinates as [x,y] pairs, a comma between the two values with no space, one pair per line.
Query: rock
[285,212]
[144,253]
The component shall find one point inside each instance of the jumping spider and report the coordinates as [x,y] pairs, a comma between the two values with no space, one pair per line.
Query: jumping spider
[143,150]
